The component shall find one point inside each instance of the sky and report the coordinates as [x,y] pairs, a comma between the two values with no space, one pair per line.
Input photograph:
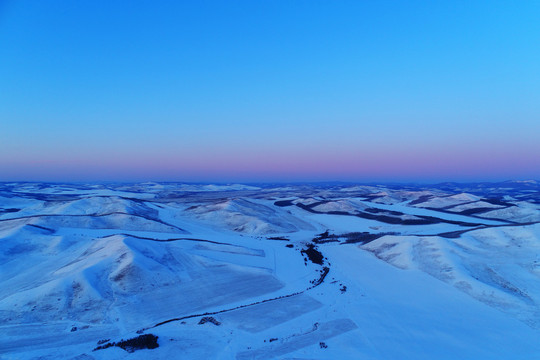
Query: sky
[246,91]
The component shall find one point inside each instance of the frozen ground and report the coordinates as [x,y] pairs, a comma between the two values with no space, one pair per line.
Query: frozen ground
[326,271]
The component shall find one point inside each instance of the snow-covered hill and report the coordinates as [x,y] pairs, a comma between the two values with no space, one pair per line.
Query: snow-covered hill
[290,271]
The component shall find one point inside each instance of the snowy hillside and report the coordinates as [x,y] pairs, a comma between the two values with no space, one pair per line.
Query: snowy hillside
[327,271]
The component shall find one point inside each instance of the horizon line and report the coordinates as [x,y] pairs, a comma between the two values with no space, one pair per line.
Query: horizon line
[268,182]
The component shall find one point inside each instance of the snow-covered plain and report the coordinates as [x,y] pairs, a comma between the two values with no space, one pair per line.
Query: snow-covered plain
[320,271]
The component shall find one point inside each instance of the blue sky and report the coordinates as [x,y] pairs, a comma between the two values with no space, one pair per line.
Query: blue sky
[269,90]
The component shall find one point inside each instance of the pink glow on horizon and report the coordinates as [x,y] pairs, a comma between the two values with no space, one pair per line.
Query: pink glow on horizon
[280,165]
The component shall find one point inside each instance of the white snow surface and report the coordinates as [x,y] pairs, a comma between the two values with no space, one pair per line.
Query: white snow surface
[523,212]
[441,202]
[88,263]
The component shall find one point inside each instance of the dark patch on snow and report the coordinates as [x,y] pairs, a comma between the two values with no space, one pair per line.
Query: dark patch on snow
[313,254]
[350,238]
[11,210]
[49,230]
[325,237]
[283,203]
[453,234]
[209,319]
[146,341]
[421,199]
[282,238]
[383,211]
[321,278]
[364,237]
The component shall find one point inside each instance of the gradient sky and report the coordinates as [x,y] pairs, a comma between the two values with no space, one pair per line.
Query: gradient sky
[269,90]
